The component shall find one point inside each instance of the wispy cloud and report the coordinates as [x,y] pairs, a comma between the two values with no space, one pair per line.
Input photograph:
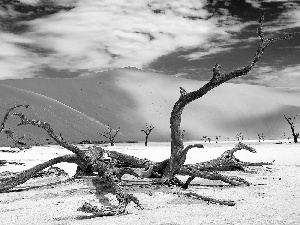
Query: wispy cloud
[98,35]
[288,77]
[16,62]
[254,3]
[289,18]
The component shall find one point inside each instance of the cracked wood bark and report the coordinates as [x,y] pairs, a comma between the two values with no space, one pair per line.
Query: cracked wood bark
[177,147]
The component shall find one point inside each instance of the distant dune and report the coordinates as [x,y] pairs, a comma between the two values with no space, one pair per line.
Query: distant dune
[128,98]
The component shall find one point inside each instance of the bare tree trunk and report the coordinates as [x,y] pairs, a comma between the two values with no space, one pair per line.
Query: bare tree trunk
[291,123]
[147,132]
[146,141]
[177,147]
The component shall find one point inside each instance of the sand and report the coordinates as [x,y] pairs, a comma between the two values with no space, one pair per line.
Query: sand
[273,197]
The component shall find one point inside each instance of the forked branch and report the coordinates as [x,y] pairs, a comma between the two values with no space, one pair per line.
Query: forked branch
[46,126]
[110,135]
[217,79]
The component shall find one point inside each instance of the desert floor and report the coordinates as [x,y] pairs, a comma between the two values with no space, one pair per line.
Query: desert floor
[273,197]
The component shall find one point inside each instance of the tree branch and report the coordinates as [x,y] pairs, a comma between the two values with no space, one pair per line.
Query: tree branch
[10,182]
[207,199]
[7,115]
[46,126]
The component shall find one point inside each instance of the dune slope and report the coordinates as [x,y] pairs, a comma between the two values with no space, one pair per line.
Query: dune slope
[129,98]
[72,124]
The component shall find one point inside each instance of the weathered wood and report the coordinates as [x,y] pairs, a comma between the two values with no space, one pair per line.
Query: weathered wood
[177,147]
[92,161]
[46,126]
[20,178]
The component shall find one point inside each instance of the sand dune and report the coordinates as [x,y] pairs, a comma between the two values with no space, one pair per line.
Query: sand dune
[128,98]
[72,124]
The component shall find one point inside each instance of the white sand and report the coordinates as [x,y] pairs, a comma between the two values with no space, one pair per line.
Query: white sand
[273,197]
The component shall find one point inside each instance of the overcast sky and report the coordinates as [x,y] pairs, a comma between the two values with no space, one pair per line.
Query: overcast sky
[65,38]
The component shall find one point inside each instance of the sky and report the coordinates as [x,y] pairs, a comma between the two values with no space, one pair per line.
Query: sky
[180,38]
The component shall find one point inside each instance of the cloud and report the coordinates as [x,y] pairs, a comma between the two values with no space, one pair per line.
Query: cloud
[254,3]
[117,34]
[98,35]
[49,2]
[287,77]
[30,2]
[288,19]
[15,62]
[212,50]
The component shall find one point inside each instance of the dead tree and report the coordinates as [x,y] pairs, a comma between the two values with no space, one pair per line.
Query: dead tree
[178,152]
[89,163]
[261,137]
[92,162]
[291,121]
[239,137]
[147,132]
[110,135]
